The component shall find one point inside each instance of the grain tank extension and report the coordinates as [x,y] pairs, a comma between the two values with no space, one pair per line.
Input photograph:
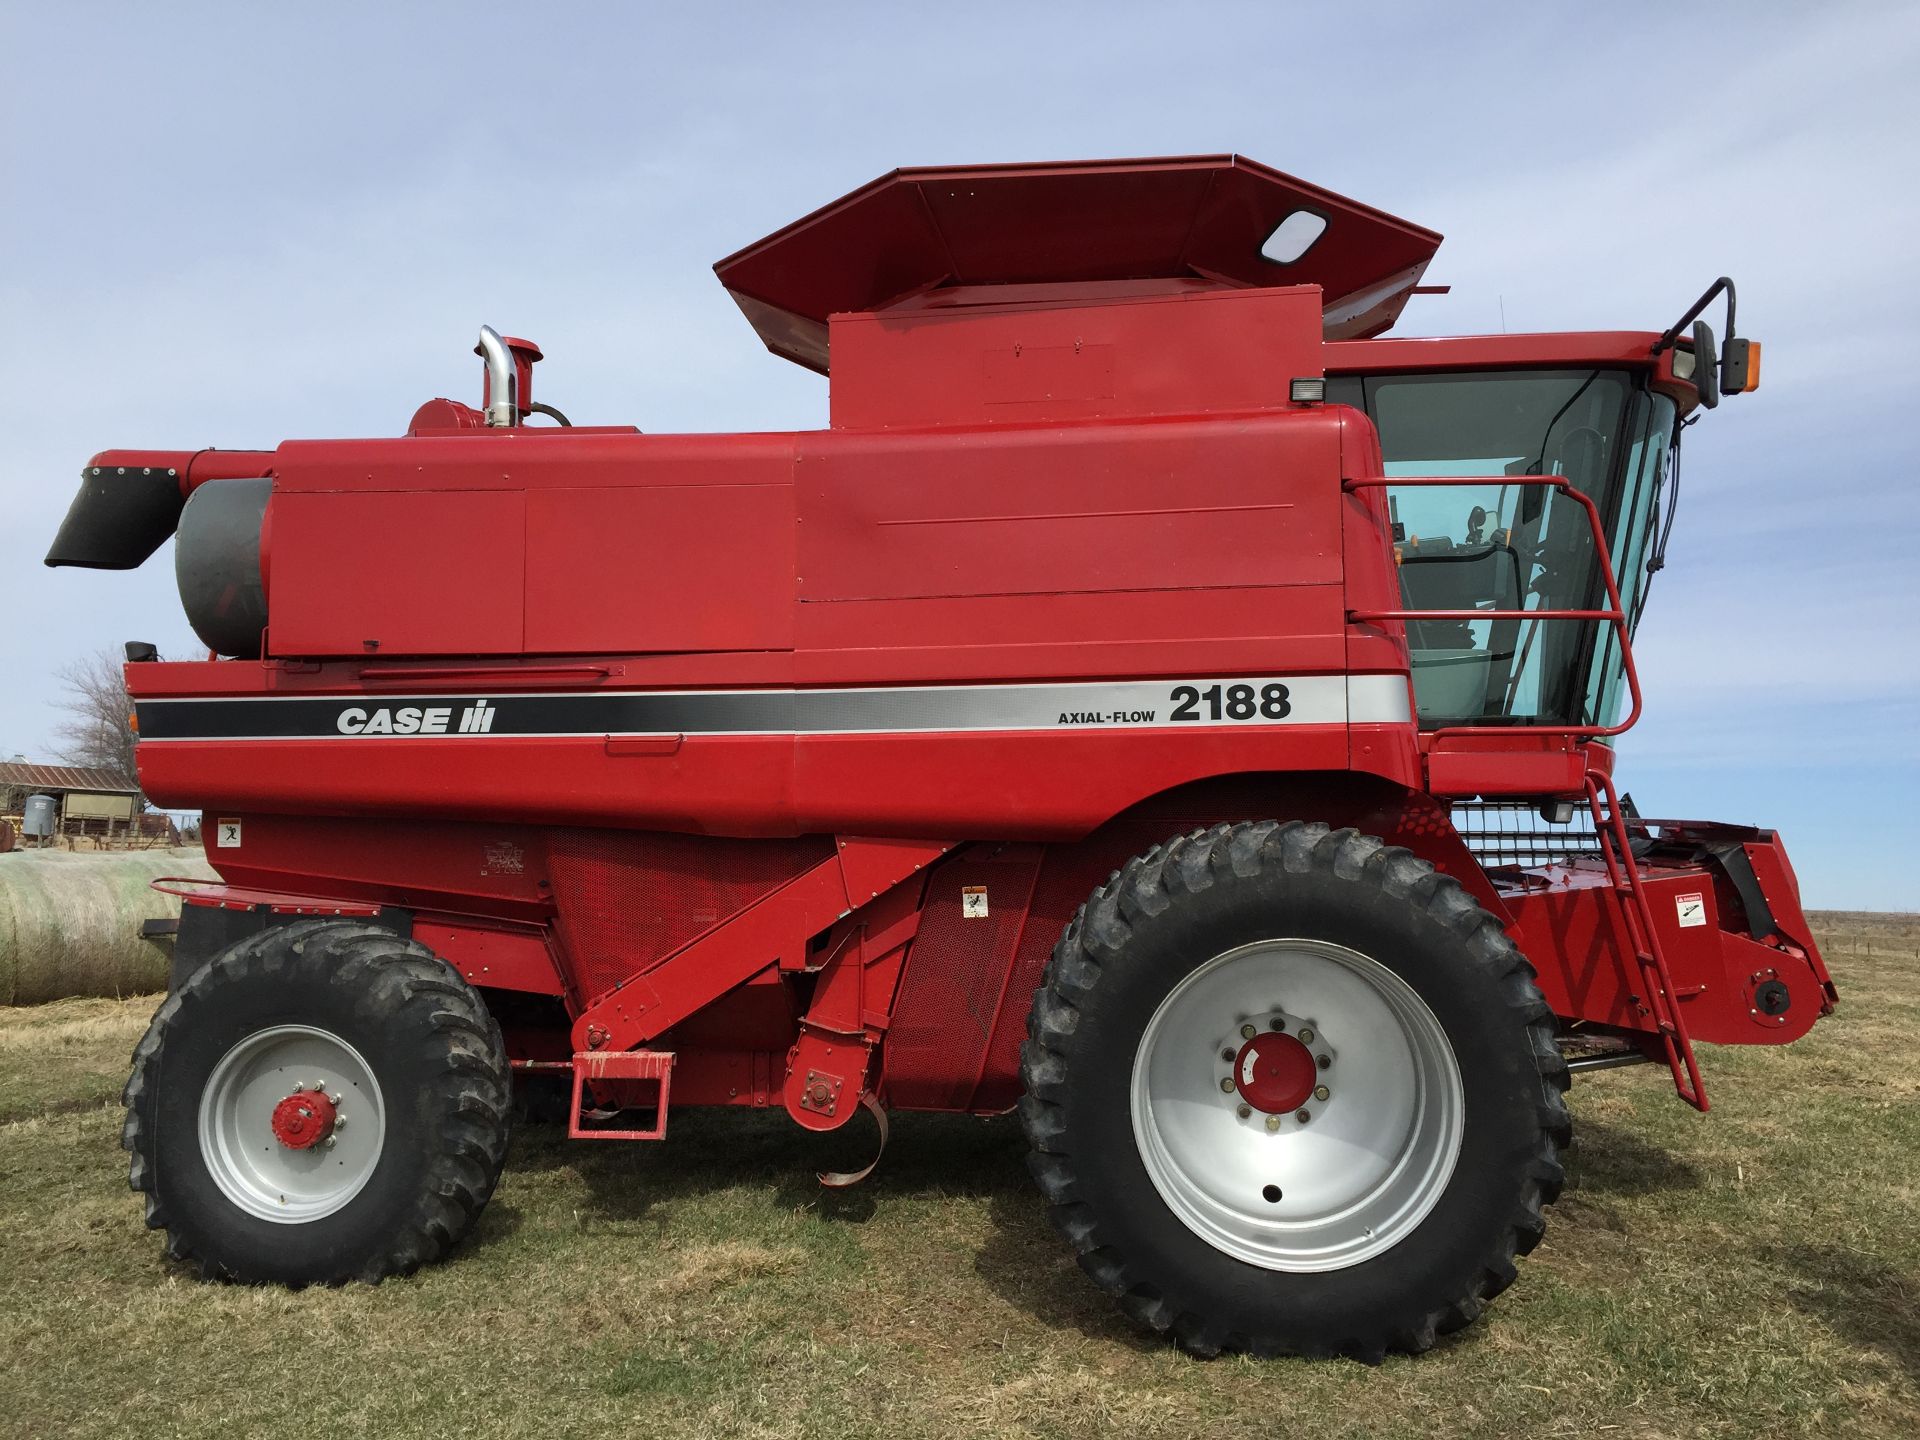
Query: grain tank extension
[1159,701]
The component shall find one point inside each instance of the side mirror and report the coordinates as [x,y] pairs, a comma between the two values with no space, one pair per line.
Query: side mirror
[1706,365]
[1713,377]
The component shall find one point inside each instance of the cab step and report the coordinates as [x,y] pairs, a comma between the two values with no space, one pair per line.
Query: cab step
[620,1066]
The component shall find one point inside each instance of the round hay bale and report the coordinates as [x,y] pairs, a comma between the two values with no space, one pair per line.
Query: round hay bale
[70,923]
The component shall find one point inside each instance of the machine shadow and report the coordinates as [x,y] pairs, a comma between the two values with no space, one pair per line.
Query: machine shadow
[1869,1303]
[1032,1269]
[497,1224]
[929,1159]
[950,1155]
[1605,1160]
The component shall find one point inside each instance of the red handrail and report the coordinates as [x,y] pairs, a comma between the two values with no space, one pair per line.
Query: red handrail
[1616,615]
[1610,827]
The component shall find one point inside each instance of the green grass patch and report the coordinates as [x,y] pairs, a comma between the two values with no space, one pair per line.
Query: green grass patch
[1752,1272]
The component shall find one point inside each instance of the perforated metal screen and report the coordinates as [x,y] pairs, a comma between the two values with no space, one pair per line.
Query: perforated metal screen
[626,900]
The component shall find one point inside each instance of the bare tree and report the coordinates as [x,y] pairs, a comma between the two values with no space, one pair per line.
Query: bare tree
[95,731]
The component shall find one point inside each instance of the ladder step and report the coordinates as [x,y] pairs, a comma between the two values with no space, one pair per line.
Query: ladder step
[629,1065]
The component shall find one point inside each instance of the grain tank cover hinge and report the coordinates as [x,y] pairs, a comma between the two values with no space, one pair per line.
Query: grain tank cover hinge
[1200,218]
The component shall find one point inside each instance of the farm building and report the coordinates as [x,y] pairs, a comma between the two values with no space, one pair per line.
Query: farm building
[92,802]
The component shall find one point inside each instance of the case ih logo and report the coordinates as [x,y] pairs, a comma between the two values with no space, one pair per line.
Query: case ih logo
[474,719]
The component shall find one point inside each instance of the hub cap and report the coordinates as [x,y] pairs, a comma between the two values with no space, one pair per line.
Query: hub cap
[1274,1072]
[1297,1105]
[291,1123]
[302,1121]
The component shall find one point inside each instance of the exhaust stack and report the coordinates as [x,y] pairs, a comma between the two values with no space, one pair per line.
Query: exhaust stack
[508,394]
[501,398]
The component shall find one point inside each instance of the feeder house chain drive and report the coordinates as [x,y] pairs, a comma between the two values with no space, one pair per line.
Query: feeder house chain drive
[1158,702]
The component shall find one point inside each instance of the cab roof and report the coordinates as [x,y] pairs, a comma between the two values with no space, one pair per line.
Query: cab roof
[1202,218]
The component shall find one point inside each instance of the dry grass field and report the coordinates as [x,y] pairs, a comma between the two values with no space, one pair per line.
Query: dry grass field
[1754,1272]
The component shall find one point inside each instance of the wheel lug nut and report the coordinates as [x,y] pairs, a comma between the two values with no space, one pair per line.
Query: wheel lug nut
[1227,1055]
[330,1142]
[1278,1025]
[333,1099]
[1321,1092]
[1323,1060]
[1247,1032]
[1273,1123]
[1303,1116]
[299,1087]
[1243,1111]
[1226,1086]
[1306,1036]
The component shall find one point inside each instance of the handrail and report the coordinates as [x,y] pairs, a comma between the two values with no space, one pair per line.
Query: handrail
[1615,616]
[504,676]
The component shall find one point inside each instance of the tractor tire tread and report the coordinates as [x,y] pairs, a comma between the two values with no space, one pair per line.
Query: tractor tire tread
[1189,865]
[403,980]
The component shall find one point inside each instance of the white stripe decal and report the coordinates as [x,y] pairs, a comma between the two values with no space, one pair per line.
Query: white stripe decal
[1169,705]
[1379,700]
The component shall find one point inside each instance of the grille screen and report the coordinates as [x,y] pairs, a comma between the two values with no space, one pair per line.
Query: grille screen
[1066,881]
[627,900]
[955,1041]
[955,973]
[1506,833]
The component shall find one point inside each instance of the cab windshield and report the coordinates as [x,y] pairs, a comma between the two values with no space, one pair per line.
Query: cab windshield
[1503,546]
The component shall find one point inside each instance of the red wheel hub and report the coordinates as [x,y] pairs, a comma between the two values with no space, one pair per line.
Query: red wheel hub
[303,1120]
[1274,1072]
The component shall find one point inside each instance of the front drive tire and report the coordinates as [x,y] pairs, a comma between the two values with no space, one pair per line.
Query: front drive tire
[321,1102]
[1292,1091]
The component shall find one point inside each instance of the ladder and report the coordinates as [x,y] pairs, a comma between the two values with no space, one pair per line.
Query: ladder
[1636,918]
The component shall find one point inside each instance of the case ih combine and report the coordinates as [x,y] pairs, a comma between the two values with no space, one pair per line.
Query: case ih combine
[1118,712]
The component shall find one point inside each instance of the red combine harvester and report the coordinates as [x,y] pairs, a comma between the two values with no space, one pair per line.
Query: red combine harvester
[1155,702]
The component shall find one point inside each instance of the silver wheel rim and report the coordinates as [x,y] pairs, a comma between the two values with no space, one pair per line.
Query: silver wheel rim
[253,1169]
[1381,1130]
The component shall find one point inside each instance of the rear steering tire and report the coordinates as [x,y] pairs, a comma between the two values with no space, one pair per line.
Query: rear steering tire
[318,1103]
[1291,1090]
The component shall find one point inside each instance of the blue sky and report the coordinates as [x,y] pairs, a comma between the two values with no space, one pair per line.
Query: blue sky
[236,225]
